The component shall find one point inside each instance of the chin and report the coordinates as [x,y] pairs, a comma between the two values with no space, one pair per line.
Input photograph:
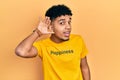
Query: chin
[66,39]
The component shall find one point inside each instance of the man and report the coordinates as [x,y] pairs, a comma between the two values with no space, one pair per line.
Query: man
[63,55]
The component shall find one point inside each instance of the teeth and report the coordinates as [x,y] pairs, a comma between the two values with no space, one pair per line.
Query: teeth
[67,32]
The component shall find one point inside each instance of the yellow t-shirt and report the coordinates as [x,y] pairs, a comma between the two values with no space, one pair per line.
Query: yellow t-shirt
[61,61]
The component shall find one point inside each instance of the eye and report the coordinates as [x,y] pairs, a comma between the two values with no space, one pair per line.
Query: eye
[62,23]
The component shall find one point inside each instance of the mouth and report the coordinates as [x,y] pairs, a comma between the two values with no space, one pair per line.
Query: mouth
[67,33]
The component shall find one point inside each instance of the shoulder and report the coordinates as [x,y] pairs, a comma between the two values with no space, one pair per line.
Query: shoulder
[76,39]
[41,41]
[75,36]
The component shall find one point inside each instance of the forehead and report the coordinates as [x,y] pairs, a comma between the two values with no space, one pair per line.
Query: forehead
[63,18]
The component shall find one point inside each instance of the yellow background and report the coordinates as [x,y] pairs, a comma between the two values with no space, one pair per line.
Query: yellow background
[98,21]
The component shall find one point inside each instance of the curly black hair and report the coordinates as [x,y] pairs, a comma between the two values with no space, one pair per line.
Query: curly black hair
[58,10]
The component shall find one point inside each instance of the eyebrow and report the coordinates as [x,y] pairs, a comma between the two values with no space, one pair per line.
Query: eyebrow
[64,19]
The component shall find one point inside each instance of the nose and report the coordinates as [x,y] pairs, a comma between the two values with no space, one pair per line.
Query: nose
[68,26]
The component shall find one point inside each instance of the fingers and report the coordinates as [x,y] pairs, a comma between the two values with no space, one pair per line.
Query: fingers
[47,21]
[50,32]
[44,26]
[50,29]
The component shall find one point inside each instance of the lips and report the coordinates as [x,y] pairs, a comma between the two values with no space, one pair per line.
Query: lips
[67,33]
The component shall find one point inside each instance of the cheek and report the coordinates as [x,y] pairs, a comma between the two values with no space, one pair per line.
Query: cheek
[58,29]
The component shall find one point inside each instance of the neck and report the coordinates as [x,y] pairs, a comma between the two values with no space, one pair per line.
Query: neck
[56,39]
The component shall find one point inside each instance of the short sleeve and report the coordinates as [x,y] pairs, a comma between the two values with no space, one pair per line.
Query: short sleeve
[38,47]
[84,50]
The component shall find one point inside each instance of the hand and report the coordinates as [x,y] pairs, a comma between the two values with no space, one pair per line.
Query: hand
[44,26]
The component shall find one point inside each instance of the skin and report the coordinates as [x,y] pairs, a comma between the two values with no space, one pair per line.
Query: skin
[59,29]
[62,28]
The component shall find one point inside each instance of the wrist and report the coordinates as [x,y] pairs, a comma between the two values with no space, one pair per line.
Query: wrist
[38,32]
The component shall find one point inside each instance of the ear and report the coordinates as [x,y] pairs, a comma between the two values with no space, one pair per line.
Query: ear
[51,25]
[51,28]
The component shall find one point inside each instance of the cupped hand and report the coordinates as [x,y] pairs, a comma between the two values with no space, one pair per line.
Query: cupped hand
[44,26]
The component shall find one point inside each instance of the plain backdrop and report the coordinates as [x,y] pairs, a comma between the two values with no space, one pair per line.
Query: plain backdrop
[97,21]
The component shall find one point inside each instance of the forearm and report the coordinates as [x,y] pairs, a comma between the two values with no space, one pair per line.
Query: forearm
[86,73]
[26,45]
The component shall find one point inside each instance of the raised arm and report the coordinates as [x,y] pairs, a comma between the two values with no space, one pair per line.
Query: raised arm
[25,48]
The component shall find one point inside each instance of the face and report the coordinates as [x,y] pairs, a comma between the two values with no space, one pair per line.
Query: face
[62,28]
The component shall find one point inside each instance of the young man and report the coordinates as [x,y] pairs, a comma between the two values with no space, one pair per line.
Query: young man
[63,54]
